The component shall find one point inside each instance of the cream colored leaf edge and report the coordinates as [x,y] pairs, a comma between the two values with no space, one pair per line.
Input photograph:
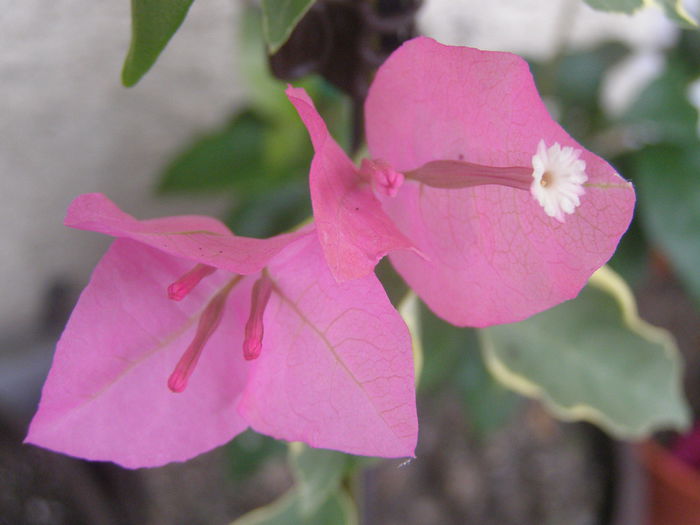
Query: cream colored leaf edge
[409,310]
[610,282]
[263,515]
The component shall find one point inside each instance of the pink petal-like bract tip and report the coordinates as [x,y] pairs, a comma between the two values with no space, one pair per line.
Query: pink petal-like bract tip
[252,345]
[178,290]
[354,231]
[208,323]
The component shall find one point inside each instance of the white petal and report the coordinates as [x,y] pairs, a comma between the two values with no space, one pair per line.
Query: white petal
[567,175]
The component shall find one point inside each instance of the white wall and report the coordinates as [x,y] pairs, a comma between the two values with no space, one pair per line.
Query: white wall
[67,126]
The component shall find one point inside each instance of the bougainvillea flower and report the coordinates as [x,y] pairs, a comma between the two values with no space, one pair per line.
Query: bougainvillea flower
[187,334]
[505,213]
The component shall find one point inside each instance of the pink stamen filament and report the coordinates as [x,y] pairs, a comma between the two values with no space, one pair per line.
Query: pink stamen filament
[185,284]
[252,344]
[455,174]
[207,325]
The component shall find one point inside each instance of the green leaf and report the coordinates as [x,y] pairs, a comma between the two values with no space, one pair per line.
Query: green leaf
[249,451]
[280,17]
[338,509]
[631,259]
[446,350]
[489,405]
[675,11]
[231,156]
[580,74]
[452,358]
[669,196]
[616,6]
[663,112]
[318,473]
[409,308]
[153,23]
[673,8]
[574,82]
[266,213]
[594,359]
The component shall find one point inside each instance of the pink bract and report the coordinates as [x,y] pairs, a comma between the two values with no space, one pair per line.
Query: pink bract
[335,368]
[486,254]
[354,230]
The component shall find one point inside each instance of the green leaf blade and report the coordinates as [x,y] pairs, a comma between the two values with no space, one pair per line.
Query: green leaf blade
[675,11]
[673,8]
[280,17]
[452,360]
[228,157]
[338,509]
[616,6]
[663,112]
[316,498]
[318,473]
[593,359]
[669,194]
[153,23]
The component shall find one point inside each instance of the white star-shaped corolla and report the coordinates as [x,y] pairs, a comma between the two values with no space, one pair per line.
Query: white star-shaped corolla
[558,176]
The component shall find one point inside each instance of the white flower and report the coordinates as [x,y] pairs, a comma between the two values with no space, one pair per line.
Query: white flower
[558,176]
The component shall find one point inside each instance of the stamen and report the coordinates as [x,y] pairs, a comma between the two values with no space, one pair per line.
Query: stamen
[382,176]
[207,325]
[557,179]
[252,344]
[185,284]
[456,174]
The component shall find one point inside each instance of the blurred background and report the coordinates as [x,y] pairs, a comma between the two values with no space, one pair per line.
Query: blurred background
[624,86]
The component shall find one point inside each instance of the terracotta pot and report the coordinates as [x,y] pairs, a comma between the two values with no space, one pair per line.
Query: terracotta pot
[673,487]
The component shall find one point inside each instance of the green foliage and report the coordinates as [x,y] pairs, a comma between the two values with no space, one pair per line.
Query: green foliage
[593,359]
[573,82]
[394,286]
[318,473]
[249,451]
[221,159]
[663,113]
[280,17]
[665,171]
[261,156]
[265,213]
[580,74]
[246,159]
[631,259]
[317,497]
[452,360]
[153,23]
[673,9]
[617,6]
[336,510]
[668,187]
